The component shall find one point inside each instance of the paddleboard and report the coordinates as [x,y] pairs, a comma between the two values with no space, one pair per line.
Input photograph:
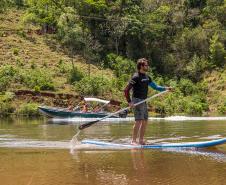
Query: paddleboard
[199,144]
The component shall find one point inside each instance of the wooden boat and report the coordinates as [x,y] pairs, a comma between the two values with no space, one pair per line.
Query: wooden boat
[55,112]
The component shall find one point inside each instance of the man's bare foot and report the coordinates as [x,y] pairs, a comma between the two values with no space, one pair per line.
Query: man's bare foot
[134,143]
[142,143]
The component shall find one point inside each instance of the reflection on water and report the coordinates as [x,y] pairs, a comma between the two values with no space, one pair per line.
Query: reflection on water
[33,152]
[150,167]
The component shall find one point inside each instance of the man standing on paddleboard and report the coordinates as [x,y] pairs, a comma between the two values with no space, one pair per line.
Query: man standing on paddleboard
[139,84]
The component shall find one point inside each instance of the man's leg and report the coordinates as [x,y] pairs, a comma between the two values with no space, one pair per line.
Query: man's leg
[136,129]
[142,131]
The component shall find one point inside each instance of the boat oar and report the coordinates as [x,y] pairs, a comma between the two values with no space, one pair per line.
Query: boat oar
[85,125]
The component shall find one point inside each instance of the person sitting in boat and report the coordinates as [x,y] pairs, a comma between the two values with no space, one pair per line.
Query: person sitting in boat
[70,106]
[97,109]
[85,108]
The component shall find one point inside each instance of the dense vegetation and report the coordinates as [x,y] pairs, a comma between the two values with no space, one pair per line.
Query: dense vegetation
[185,40]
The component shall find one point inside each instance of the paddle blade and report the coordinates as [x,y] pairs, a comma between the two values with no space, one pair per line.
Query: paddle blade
[85,125]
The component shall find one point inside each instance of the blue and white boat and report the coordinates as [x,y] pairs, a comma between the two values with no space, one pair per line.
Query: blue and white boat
[55,112]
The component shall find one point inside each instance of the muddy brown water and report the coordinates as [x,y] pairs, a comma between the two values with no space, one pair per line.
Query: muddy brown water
[34,152]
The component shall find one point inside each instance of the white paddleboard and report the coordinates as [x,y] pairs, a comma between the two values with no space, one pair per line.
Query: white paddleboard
[199,144]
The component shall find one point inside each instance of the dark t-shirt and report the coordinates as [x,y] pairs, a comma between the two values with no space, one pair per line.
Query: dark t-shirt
[139,83]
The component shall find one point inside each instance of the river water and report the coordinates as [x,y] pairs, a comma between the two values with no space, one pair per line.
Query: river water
[38,152]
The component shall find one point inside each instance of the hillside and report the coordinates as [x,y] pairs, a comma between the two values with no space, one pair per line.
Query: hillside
[25,48]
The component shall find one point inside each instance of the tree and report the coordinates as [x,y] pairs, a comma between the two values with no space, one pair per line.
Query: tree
[217,51]
[3,5]
[44,13]
[75,37]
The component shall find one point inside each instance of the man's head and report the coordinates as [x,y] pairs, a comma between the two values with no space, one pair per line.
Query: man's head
[142,65]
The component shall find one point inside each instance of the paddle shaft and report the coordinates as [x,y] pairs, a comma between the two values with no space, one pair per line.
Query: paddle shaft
[85,125]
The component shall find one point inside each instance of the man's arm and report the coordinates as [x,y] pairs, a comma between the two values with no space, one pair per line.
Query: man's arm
[153,85]
[127,92]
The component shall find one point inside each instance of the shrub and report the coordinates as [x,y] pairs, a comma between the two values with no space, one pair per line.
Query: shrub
[120,65]
[7,97]
[95,85]
[75,75]
[187,98]
[171,103]
[19,62]
[195,105]
[217,51]
[8,70]
[37,89]
[4,83]
[37,78]
[222,108]
[159,108]
[196,67]
[6,104]
[192,108]
[7,74]
[63,67]
[6,108]
[120,83]
[15,51]
[187,87]
[28,109]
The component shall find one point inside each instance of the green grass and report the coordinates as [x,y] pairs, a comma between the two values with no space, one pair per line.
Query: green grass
[38,51]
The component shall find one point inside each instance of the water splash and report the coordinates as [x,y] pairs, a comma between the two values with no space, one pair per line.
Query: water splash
[74,142]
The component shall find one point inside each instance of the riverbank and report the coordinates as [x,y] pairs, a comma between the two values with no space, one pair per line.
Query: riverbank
[36,70]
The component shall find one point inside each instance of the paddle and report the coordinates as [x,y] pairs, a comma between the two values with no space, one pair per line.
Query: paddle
[85,125]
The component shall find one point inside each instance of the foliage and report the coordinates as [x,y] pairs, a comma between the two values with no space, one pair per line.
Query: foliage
[28,109]
[184,40]
[7,96]
[217,51]
[77,39]
[37,79]
[43,13]
[6,108]
[188,98]
[187,87]
[75,75]
[63,67]
[6,103]
[94,85]
[3,6]
[197,67]
[120,65]
[7,75]
[176,36]
[176,103]
[156,21]
[222,108]
[119,83]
